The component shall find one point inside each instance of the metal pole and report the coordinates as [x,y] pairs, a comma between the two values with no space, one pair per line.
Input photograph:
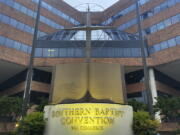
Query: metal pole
[144,62]
[29,76]
[88,46]
[88,36]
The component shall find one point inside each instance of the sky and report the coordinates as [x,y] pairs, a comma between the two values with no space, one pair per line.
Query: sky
[104,3]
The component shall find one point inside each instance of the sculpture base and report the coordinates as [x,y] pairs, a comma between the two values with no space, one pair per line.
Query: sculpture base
[88,119]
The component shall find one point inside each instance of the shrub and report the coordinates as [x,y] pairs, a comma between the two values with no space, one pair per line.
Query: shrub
[32,124]
[143,124]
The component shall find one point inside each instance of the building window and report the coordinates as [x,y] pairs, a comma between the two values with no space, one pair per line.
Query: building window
[167,22]
[175,19]
[53,52]
[17,45]
[160,26]
[178,40]
[46,52]
[2,40]
[164,45]
[172,42]
[38,52]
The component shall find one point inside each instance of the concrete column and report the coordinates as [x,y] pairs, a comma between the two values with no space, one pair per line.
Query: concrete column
[153,88]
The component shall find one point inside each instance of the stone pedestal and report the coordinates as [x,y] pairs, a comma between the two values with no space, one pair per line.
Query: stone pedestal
[88,119]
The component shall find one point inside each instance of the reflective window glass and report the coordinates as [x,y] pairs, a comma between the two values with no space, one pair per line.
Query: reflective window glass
[24,9]
[9,42]
[70,52]
[13,22]
[29,50]
[167,22]
[6,19]
[46,52]
[153,28]
[160,26]
[157,10]
[24,48]
[164,45]
[54,52]
[135,52]
[157,47]
[163,6]
[62,52]
[17,45]
[20,26]
[38,52]
[172,42]
[171,3]
[175,19]
[16,6]
[178,40]
[2,40]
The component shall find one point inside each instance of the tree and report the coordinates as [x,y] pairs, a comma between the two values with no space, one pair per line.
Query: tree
[43,103]
[137,106]
[169,108]
[10,108]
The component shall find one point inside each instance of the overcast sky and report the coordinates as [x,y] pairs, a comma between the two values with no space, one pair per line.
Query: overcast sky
[104,3]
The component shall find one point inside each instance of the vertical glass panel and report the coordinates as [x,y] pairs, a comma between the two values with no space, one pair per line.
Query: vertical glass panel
[172,42]
[153,28]
[157,47]
[160,26]
[157,9]
[171,3]
[6,19]
[13,22]
[46,52]
[38,52]
[78,52]
[164,6]
[9,42]
[167,22]
[62,52]
[164,45]
[2,40]
[29,50]
[135,52]
[54,52]
[70,52]
[175,19]
[24,48]
[178,40]
[17,45]
[127,52]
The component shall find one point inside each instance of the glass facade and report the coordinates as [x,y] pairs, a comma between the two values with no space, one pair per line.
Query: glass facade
[163,6]
[106,52]
[123,12]
[31,13]
[165,44]
[58,12]
[18,25]
[162,25]
[4,41]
